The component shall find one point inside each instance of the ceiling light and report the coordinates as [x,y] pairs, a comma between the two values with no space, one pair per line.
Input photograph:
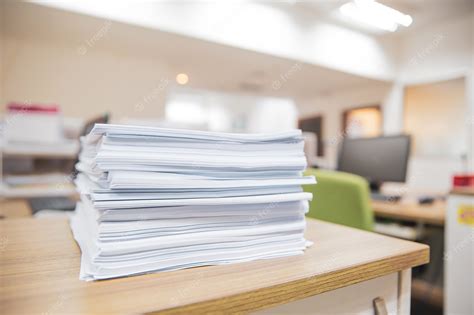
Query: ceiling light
[375,14]
[182,78]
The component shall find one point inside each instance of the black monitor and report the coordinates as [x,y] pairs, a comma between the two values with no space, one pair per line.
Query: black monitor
[380,159]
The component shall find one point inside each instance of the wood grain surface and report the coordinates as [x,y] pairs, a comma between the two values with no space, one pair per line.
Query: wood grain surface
[39,270]
[14,209]
[411,211]
[468,191]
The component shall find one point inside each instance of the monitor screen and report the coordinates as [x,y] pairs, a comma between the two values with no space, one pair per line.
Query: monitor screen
[379,159]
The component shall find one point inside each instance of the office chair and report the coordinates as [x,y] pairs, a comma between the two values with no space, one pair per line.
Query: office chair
[340,198]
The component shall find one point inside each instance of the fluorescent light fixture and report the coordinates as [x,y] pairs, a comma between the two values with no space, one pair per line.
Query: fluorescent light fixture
[375,14]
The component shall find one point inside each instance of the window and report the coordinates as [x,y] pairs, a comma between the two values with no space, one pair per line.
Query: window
[362,122]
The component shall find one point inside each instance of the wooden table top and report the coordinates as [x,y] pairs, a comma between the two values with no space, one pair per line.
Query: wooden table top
[14,209]
[411,211]
[468,191]
[39,273]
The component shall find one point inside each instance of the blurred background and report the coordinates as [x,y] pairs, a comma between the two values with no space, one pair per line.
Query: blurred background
[360,78]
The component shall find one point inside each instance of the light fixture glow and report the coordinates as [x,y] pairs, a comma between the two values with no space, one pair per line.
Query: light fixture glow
[375,14]
[182,78]
[186,111]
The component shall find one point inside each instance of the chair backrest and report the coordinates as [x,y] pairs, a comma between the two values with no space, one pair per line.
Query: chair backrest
[341,198]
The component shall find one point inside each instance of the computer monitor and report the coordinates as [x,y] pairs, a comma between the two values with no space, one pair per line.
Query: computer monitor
[379,159]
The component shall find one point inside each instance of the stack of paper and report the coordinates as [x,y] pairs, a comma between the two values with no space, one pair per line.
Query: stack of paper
[155,199]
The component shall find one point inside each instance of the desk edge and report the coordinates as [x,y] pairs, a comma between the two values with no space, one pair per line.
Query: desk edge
[306,287]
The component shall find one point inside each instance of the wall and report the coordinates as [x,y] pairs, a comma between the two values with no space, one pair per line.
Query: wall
[443,105]
[443,51]
[435,116]
[421,179]
[430,54]
[47,72]
[331,105]
[128,86]
[439,52]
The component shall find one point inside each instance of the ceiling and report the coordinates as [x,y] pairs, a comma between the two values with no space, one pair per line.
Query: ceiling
[423,12]
[209,65]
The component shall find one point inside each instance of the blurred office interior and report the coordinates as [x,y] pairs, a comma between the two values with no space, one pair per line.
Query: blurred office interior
[251,66]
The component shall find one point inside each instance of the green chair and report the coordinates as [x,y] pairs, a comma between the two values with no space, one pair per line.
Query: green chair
[340,198]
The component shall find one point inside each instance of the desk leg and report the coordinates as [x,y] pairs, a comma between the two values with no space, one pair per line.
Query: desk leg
[404,292]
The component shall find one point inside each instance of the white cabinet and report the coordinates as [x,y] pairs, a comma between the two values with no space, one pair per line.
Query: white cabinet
[358,298]
[459,255]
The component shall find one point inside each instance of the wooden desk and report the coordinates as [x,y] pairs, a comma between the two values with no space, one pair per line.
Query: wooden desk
[39,270]
[62,150]
[468,191]
[411,211]
[14,209]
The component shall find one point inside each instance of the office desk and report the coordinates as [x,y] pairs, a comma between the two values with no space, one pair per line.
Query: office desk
[433,214]
[67,150]
[14,209]
[411,211]
[343,271]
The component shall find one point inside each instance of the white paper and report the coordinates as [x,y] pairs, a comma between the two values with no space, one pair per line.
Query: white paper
[156,199]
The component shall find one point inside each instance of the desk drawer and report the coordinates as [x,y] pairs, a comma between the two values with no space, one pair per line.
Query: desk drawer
[354,299]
